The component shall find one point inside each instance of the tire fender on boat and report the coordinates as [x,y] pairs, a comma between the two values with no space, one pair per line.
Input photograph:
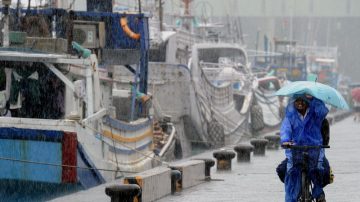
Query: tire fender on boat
[256,117]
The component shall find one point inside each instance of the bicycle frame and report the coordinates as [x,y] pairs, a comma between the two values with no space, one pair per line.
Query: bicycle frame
[305,181]
[306,186]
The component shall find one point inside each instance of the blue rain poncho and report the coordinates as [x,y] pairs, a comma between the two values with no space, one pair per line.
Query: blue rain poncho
[303,132]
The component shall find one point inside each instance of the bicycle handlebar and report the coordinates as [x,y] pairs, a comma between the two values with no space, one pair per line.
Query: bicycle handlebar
[305,146]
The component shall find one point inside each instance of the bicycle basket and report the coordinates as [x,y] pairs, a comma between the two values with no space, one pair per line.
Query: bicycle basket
[313,154]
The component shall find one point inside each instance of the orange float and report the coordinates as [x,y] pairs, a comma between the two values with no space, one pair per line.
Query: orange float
[127,30]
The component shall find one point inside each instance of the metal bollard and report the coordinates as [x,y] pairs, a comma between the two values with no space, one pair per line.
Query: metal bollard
[274,141]
[175,177]
[123,192]
[208,164]
[259,146]
[243,152]
[223,159]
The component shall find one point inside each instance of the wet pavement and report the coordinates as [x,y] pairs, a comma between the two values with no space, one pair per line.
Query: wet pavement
[257,181]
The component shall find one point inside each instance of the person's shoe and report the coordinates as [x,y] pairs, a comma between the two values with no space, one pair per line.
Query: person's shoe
[321,198]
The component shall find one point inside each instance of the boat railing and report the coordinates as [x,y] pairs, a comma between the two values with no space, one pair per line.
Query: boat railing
[324,51]
[239,72]
[38,124]
[217,68]
[212,65]
[169,141]
[185,38]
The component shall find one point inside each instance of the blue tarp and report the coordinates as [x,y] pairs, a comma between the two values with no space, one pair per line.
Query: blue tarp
[31,134]
[115,37]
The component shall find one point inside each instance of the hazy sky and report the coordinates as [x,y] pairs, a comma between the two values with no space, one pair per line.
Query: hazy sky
[255,7]
[273,7]
[256,15]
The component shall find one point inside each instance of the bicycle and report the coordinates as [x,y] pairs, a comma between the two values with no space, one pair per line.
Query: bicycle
[304,161]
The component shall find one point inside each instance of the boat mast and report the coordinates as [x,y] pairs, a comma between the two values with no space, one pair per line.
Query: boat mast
[6,4]
[187,14]
[187,6]
[161,15]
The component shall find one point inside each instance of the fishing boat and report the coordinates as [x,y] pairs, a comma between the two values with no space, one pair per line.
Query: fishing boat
[208,99]
[322,63]
[65,119]
[272,106]
[220,74]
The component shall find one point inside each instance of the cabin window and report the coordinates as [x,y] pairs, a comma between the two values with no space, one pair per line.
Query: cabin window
[34,91]
[158,54]
[220,55]
[269,85]
[3,93]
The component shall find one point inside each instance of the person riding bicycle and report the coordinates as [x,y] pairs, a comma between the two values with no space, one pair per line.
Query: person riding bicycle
[302,126]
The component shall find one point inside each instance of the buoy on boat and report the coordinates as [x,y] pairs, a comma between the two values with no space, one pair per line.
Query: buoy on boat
[127,30]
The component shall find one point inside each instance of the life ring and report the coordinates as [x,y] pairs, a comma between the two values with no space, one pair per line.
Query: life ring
[127,30]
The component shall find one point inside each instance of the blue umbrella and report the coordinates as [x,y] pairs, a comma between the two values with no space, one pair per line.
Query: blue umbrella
[321,91]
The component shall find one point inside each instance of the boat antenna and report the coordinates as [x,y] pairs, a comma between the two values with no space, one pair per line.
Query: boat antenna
[28,8]
[18,14]
[187,6]
[161,15]
[139,6]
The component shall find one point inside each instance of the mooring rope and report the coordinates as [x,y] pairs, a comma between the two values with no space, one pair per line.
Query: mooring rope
[62,165]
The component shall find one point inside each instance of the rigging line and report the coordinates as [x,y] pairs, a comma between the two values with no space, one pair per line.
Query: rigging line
[113,141]
[155,104]
[203,120]
[271,109]
[133,149]
[71,5]
[223,119]
[211,108]
[276,115]
[206,82]
[158,111]
[61,165]
[273,112]
[153,95]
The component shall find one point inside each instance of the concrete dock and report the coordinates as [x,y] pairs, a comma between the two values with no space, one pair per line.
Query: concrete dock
[257,180]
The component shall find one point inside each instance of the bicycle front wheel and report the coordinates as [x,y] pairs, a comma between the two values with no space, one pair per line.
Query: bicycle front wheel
[305,188]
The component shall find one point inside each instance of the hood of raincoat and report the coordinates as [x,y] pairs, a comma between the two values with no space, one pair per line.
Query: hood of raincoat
[307,131]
